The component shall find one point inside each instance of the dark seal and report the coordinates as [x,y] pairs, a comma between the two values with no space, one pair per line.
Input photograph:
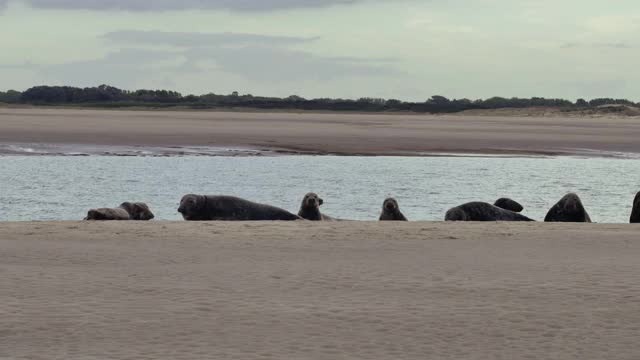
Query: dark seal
[391,211]
[509,204]
[480,211]
[310,208]
[635,212]
[229,208]
[568,209]
[126,211]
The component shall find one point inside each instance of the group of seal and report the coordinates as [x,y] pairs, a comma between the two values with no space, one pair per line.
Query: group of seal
[230,208]
[568,209]
[126,211]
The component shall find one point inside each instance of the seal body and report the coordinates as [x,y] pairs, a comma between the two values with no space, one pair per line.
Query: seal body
[391,211]
[229,208]
[509,204]
[568,209]
[635,212]
[126,211]
[310,208]
[480,211]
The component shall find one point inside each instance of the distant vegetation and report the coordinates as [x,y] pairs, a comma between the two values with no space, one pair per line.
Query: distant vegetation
[110,97]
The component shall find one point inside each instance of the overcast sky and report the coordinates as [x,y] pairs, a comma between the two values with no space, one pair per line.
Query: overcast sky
[407,49]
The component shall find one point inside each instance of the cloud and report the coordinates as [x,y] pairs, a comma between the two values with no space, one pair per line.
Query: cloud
[597,45]
[168,5]
[266,64]
[600,88]
[128,68]
[255,58]
[432,24]
[184,39]
[613,24]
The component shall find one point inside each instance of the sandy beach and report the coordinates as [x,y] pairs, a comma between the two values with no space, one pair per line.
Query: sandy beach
[324,133]
[180,290]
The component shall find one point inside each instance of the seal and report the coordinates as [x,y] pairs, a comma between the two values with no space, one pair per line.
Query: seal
[635,212]
[391,211]
[568,209]
[126,211]
[229,208]
[141,212]
[509,204]
[310,208]
[480,211]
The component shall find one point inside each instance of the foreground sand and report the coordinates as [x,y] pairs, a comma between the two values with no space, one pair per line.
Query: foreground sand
[319,291]
[336,133]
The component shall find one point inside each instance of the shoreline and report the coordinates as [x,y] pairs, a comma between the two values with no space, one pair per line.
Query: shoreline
[82,150]
[183,133]
[533,111]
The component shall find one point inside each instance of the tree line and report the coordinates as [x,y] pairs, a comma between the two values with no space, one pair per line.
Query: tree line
[109,96]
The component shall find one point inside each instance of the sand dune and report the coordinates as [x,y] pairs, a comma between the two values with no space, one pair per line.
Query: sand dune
[319,291]
[336,133]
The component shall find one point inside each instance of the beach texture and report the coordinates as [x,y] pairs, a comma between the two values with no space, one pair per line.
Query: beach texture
[352,290]
[326,133]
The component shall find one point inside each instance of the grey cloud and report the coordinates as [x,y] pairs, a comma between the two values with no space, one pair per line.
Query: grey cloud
[570,45]
[129,68]
[616,87]
[260,63]
[124,68]
[184,39]
[258,59]
[164,5]
[364,60]
[255,57]
[600,45]
[125,56]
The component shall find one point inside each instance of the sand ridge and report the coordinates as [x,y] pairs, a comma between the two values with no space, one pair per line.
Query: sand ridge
[324,133]
[176,290]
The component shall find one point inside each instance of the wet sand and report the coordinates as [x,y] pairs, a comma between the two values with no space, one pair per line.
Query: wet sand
[319,291]
[323,133]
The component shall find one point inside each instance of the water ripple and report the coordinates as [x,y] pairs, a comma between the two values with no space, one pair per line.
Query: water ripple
[63,188]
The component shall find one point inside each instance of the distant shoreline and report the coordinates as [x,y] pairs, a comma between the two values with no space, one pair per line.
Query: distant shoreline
[109,97]
[534,111]
[180,108]
[312,133]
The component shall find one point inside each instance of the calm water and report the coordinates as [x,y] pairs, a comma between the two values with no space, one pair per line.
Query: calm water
[64,188]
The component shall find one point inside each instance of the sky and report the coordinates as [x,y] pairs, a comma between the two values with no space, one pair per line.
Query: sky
[402,49]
